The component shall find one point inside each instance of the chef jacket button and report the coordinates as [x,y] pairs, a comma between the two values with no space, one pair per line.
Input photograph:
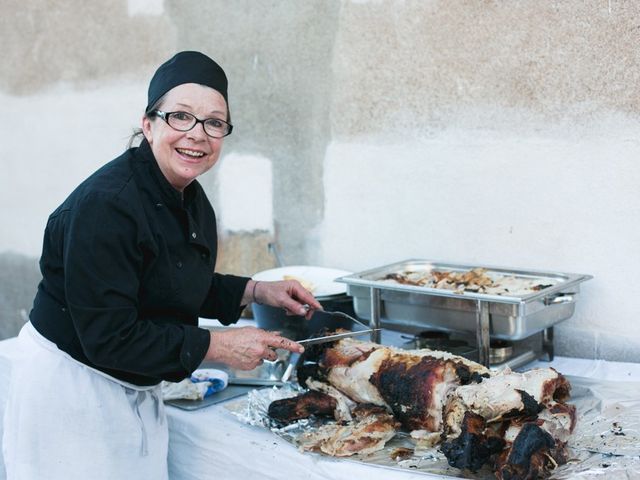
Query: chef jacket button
[158,205]
[193,235]
[179,264]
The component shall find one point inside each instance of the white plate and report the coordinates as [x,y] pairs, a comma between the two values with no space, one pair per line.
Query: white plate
[322,278]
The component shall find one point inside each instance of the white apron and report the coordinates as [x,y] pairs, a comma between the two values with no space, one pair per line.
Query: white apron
[67,421]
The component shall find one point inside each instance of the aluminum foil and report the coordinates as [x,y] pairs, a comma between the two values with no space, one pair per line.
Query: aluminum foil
[605,443]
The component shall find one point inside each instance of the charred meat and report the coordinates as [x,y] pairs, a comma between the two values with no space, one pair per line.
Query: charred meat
[288,410]
[474,446]
[531,456]
[369,373]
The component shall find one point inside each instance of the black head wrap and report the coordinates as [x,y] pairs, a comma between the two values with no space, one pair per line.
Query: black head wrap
[186,67]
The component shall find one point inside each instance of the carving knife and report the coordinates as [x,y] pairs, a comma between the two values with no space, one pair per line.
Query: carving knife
[337,336]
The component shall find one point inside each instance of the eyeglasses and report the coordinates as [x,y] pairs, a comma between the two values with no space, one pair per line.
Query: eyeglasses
[184,121]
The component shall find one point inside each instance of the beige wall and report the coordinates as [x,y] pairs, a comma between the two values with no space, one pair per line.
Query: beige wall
[494,132]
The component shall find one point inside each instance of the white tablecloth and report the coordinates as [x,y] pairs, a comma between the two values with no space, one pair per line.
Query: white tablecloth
[212,444]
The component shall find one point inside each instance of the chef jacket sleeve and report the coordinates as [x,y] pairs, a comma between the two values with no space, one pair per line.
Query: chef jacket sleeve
[223,300]
[103,262]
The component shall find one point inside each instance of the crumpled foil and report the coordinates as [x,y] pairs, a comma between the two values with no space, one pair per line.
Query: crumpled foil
[605,443]
[253,409]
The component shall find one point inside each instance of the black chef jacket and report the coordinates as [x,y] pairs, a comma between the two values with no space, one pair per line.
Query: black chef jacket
[127,268]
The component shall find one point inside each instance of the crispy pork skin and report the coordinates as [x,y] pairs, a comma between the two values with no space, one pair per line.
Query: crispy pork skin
[288,410]
[416,388]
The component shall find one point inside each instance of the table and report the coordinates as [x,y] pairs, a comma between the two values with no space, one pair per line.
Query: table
[212,444]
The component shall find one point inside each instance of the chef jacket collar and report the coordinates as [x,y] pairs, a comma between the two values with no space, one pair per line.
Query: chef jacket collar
[170,196]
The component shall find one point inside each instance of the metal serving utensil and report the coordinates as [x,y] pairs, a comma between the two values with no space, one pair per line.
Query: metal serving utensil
[294,358]
[337,336]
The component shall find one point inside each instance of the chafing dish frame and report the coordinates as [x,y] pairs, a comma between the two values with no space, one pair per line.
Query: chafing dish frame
[411,308]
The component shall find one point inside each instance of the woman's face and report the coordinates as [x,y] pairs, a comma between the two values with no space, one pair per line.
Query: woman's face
[183,156]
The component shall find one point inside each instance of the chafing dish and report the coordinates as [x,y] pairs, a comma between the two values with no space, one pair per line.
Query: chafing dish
[508,316]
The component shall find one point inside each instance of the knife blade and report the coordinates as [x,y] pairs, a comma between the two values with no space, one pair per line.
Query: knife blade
[332,338]
[337,336]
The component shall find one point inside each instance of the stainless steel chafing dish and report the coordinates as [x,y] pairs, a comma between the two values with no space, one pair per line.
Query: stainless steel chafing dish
[510,316]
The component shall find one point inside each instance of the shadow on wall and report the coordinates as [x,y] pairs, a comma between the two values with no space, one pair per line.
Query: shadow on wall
[19,277]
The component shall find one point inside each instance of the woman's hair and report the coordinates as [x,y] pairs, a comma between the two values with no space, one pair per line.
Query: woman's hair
[135,138]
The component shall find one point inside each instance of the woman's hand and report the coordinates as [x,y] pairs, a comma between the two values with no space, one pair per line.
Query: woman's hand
[247,347]
[287,294]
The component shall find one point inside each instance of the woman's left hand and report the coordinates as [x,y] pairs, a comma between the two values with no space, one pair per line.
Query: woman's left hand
[287,294]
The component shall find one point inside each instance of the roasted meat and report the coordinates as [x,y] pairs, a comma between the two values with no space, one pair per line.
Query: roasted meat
[369,373]
[521,409]
[371,428]
[518,448]
[530,456]
[344,405]
[506,394]
[536,446]
[474,446]
[516,423]
[475,280]
[288,410]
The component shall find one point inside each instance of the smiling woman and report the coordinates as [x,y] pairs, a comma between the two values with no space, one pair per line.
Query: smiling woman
[128,268]
[183,144]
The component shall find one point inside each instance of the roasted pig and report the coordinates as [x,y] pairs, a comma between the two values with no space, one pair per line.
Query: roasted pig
[517,423]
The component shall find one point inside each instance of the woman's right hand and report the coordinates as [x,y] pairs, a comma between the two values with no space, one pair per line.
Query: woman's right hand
[247,347]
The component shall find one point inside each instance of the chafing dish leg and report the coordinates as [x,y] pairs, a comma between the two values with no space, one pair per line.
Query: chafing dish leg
[374,323]
[547,342]
[482,332]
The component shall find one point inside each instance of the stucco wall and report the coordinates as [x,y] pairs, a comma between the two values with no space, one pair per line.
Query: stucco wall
[494,132]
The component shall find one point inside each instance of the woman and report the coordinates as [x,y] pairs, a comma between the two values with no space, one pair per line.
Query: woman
[127,269]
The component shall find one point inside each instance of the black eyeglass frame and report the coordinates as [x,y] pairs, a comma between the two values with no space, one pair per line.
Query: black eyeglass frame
[165,116]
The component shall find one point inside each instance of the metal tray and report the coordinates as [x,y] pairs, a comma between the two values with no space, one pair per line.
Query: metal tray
[232,391]
[267,374]
[512,317]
